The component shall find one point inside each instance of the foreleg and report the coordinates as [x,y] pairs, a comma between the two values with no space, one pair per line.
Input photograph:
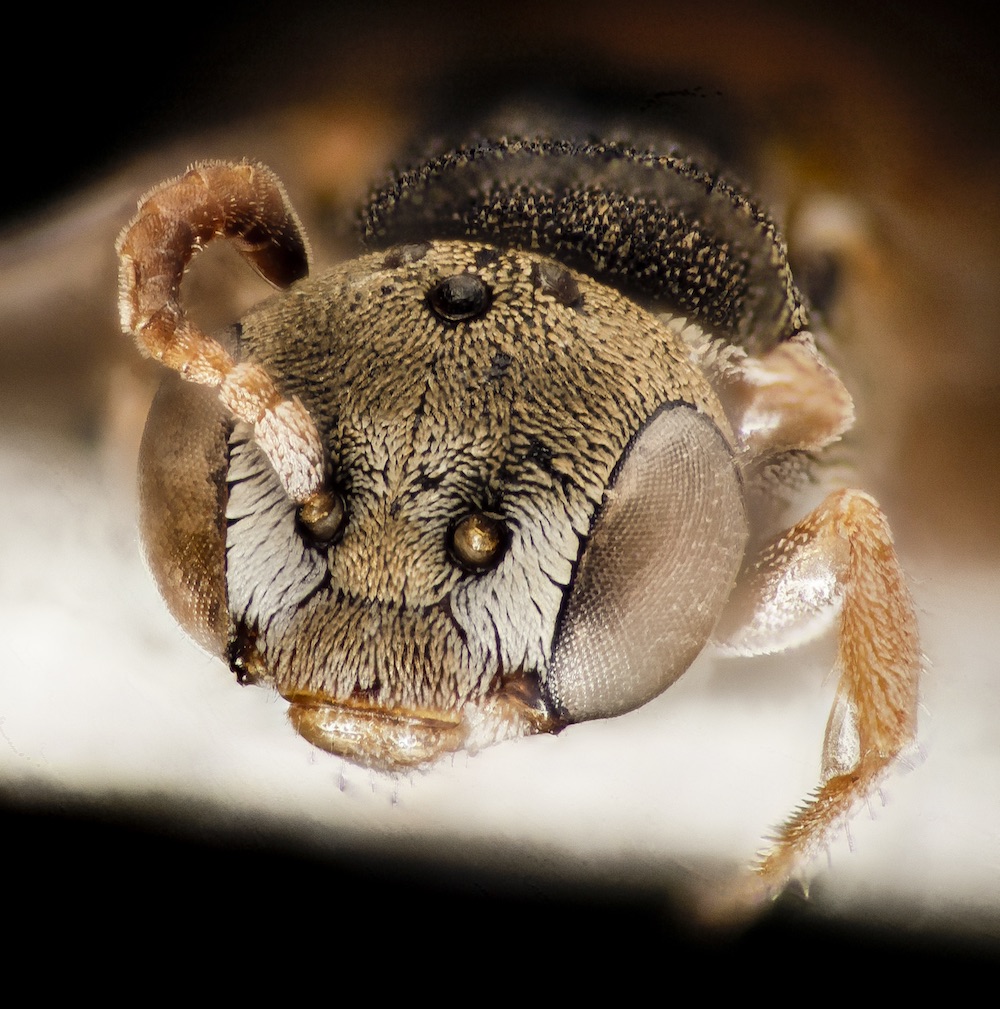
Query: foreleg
[841,553]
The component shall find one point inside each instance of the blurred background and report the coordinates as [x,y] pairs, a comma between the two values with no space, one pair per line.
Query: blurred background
[132,768]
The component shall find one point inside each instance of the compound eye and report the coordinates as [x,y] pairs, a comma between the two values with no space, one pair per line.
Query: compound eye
[463,296]
[478,540]
[655,572]
[323,515]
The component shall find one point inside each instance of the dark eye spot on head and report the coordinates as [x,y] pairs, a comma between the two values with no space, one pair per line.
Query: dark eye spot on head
[540,454]
[478,540]
[499,367]
[486,257]
[552,279]
[404,254]
[463,296]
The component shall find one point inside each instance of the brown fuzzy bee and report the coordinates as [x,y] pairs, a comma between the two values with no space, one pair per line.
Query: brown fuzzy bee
[516,465]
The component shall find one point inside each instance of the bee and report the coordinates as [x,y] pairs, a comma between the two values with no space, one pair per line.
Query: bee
[515,465]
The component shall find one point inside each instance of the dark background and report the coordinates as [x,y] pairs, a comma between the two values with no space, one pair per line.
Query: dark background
[84,90]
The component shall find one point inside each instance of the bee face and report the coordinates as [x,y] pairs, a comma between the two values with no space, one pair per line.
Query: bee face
[455,387]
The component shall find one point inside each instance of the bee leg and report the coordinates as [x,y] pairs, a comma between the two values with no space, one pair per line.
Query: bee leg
[839,556]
